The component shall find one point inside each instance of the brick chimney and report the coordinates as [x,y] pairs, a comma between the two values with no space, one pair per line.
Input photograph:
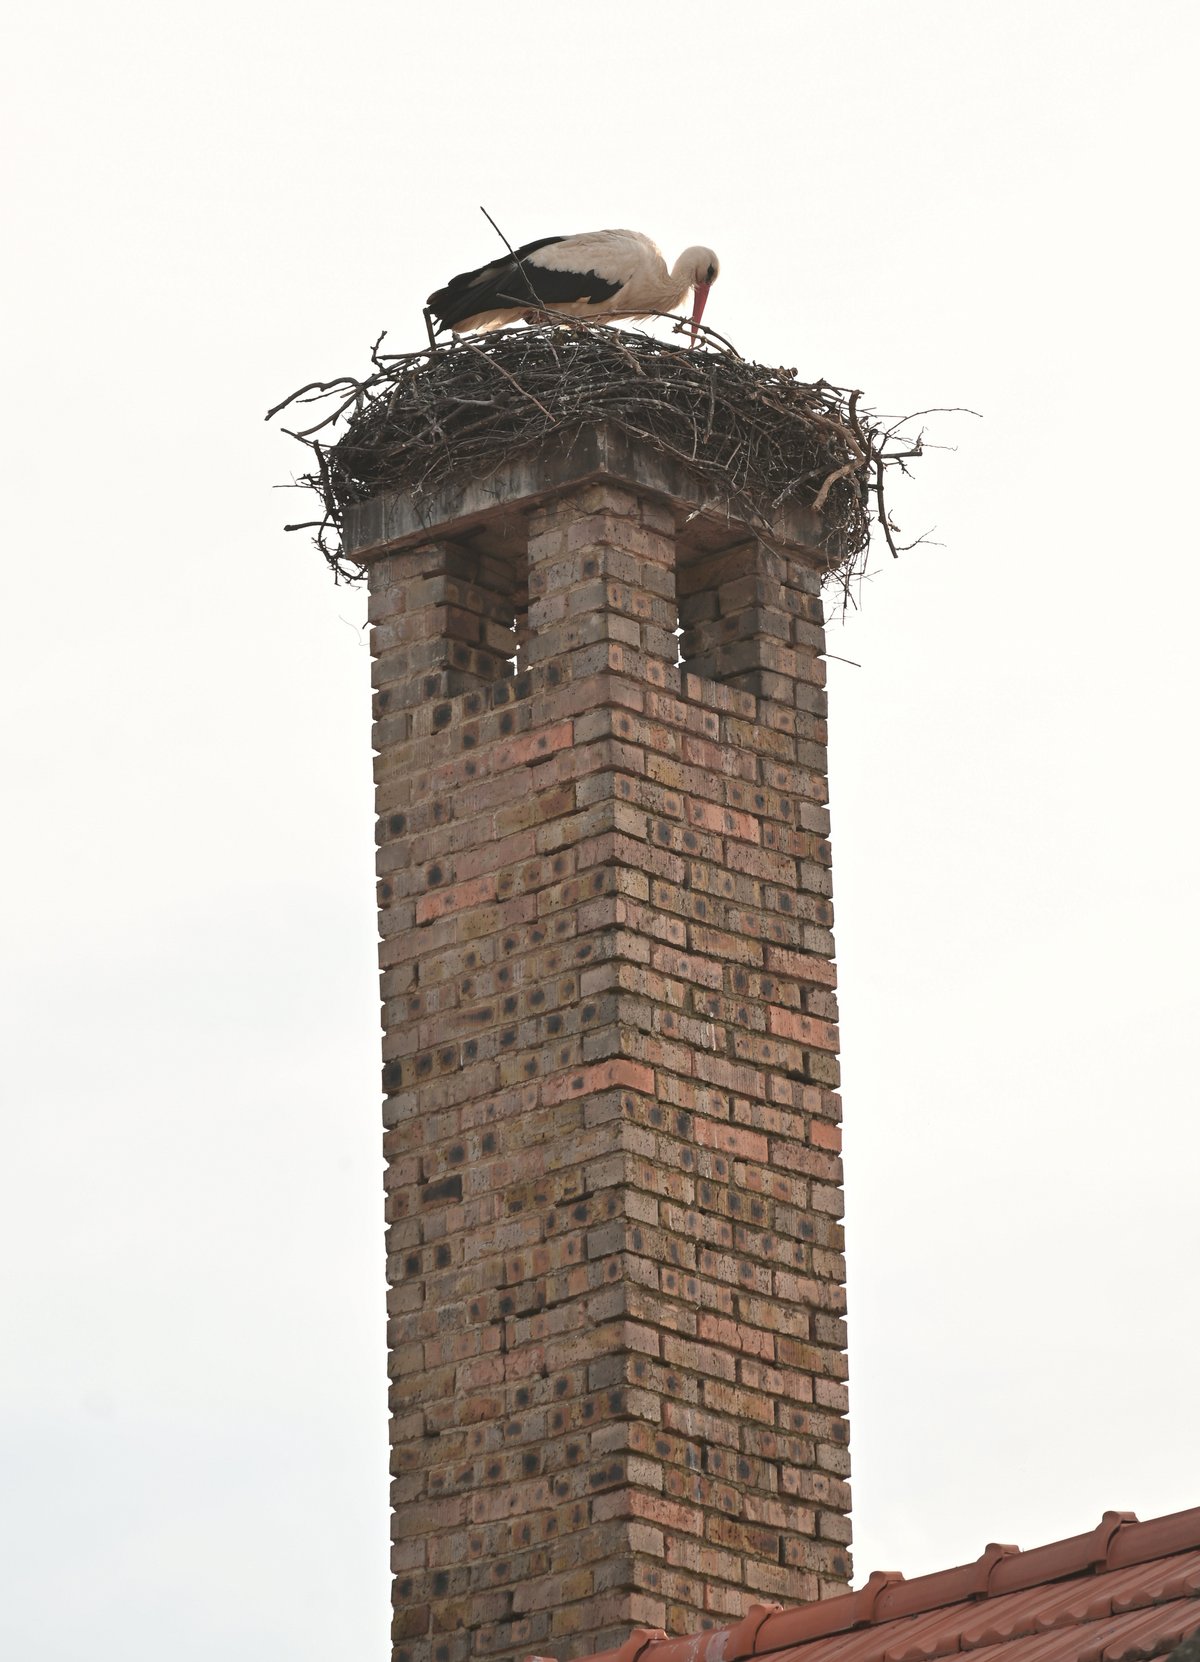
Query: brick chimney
[615,1316]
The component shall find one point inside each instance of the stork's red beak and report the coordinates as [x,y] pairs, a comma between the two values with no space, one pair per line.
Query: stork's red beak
[698,300]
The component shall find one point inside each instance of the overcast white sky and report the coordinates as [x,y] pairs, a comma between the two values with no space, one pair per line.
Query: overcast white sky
[942,203]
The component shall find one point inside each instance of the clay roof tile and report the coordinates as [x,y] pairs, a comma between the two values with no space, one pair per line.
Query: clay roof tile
[1135,1543]
[1060,1558]
[931,1592]
[833,1615]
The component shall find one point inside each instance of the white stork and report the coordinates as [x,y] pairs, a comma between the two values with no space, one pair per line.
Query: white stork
[602,274]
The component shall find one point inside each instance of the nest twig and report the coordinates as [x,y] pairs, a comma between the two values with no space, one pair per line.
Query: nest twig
[756,438]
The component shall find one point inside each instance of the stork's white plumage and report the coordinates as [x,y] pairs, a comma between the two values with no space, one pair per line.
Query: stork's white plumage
[602,274]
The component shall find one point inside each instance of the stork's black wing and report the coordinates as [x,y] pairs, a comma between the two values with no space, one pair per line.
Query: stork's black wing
[515,280]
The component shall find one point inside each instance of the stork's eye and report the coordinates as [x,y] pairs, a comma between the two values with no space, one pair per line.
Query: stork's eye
[711,273]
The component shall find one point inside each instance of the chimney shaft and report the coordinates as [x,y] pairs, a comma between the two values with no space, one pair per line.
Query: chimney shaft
[613,1187]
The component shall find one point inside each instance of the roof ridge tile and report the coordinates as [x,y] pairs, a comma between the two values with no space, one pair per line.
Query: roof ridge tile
[1071,1556]
[1137,1543]
[942,1587]
[743,1639]
[827,1616]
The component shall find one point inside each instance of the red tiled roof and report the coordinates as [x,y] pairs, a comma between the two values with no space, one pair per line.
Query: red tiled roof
[1125,1592]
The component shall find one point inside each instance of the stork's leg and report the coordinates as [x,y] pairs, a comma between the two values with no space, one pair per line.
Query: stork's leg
[429,328]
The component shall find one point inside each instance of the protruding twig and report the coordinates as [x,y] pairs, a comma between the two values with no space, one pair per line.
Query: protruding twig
[520,263]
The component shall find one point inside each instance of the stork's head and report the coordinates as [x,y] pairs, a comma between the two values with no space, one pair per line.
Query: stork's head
[702,268]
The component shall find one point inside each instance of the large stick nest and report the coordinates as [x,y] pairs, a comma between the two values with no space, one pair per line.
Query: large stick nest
[755,438]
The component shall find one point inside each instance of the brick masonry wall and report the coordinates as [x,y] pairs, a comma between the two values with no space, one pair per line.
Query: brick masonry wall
[613,1187]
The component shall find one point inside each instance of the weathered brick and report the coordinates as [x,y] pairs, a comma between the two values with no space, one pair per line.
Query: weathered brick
[615,1272]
